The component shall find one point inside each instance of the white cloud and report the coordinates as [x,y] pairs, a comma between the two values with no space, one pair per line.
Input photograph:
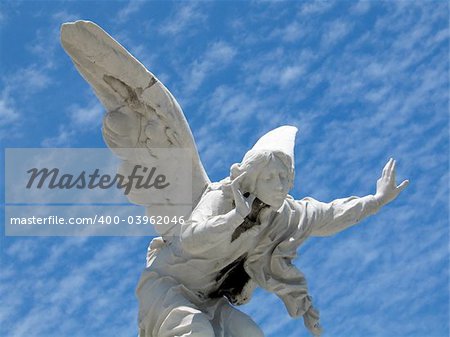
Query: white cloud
[29,80]
[388,99]
[64,138]
[23,250]
[266,72]
[129,9]
[22,83]
[44,46]
[335,32]
[187,16]
[316,7]
[8,114]
[392,89]
[10,118]
[64,16]
[82,119]
[46,43]
[73,266]
[361,7]
[89,116]
[290,74]
[217,56]
[292,32]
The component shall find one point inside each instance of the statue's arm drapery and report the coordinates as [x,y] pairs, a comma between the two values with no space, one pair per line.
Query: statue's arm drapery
[331,218]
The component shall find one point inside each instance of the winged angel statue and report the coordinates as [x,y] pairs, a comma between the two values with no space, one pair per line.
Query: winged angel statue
[241,232]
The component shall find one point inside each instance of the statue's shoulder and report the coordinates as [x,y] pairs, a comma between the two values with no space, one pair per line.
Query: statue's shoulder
[300,204]
[306,200]
[289,201]
[308,205]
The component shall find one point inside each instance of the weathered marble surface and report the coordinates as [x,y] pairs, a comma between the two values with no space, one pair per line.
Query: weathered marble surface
[242,232]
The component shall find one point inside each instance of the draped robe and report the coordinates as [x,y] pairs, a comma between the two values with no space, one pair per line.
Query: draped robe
[190,269]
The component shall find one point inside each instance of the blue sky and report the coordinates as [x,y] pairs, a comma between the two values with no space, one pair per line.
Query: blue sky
[363,82]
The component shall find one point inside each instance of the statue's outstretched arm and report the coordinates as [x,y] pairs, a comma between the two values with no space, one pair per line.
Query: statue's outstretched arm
[331,218]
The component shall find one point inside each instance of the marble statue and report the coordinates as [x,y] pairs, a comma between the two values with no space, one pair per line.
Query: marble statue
[241,232]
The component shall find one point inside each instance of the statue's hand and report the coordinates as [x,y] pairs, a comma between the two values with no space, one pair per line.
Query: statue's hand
[387,189]
[243,204]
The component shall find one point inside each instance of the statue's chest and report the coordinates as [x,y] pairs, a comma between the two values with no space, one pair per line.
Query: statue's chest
[231,277]
[247,236]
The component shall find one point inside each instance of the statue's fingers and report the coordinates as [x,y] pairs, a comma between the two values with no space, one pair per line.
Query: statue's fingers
[403,185]
[237,194]
[251,198]
[386,168]
[392,171]
[236,180]
[389,169]
[383,174]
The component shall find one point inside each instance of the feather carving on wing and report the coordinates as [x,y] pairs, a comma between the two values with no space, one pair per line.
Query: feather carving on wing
[141,113]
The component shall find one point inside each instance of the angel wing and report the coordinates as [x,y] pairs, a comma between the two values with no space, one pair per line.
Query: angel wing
[141,113]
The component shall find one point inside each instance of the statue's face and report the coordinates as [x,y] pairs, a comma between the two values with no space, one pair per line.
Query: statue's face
[272,184]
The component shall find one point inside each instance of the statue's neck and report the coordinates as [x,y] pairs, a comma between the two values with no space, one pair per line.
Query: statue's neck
[257,206]
[251,219]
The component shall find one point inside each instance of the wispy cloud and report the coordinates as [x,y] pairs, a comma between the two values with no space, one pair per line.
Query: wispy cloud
[335,32]
[65,16]
[316,7]
[63,138]
[217,56]
[361,7]
[56,296]
[9,115]
[290,74]
[28,80]
[362,81]
[32,78]
[82,119]
[129,9]
[89,116]
[292,32]
[187,16]
[379,98]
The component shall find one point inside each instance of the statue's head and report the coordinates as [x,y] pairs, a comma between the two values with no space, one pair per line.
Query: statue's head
[269,166]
